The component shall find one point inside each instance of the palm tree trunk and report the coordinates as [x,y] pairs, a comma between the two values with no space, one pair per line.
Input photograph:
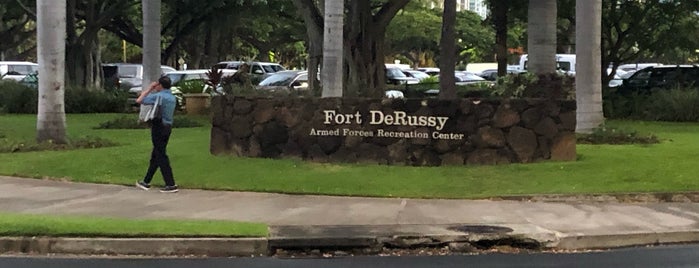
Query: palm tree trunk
[51,38]
[151,41]
[331,72]
[588,84]
[541,43]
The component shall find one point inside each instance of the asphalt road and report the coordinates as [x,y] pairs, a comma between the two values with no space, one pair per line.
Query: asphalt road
[663,256]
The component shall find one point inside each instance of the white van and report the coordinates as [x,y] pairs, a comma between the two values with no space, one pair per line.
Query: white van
[564,62]
[16,70]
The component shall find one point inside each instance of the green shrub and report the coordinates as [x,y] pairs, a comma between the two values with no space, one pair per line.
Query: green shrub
[131,122]
[430,80]
[610,135]
[191,86]
[82,100]
[677,104]
[620,106]
[528,85]
[89,142]
[255,79]
[17,98]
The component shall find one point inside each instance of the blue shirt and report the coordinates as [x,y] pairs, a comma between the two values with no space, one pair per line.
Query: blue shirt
[167,104]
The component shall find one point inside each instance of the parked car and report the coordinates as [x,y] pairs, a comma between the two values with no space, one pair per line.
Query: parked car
[31,80]
[618,79]
[131,74]
[261,69]
[178,78]
[469,78]
[234,65]
[396,76]
[661,77]
[429,70]
[564,63]
[636,66]
[285,80]
[17,70]
[419,75]
[492,74]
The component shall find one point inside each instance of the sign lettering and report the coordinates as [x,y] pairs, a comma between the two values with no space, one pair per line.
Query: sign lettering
[379,118]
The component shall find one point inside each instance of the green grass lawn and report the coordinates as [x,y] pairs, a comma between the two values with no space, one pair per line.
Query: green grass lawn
[12,224]
[666,167]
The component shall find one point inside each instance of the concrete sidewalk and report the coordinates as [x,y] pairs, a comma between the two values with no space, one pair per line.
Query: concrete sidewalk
[318,221]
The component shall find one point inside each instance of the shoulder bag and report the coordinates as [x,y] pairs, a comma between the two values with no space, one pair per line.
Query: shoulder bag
[149,111]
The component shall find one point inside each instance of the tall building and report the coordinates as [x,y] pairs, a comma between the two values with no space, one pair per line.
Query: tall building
[477,6]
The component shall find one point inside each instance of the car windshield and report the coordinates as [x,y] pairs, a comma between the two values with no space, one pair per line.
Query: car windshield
[232,65]
[128,71]
[21,69]
[278,79]
[418,74]
[466,77]
[272,68]
[174,77]
[394,72]
[166,69]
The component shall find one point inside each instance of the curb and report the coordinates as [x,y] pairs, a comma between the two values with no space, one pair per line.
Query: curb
[252,247]
[214,247]
[579,242]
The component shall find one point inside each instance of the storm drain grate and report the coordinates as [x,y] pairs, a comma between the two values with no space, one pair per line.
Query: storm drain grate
[481,229]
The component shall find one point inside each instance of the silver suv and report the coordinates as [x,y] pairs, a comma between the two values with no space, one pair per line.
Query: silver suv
[131,74]
[259,68]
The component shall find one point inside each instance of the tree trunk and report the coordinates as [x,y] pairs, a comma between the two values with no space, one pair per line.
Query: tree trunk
[315,54]
[151,41]
[366,72]
[500,21]
[588,87]
[364,46]
[541,42]
[51,36]
[447,61]
[314,31]
[332,72]
[82,50]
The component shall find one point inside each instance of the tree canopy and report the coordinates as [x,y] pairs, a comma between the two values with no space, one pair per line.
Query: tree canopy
[376,31]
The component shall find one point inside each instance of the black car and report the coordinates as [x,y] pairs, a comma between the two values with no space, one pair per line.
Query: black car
[661,77]
[492,74]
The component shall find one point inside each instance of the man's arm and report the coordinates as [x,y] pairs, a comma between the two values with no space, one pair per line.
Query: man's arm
[145,93]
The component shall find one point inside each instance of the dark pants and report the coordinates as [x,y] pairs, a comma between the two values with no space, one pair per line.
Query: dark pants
[160,135]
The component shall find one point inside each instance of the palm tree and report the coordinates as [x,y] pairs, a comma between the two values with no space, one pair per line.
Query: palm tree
[151,41]
[588,85]
[51,48]
[541,42]
[331,73]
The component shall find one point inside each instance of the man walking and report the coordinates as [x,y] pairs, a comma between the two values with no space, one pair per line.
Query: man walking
[160,129]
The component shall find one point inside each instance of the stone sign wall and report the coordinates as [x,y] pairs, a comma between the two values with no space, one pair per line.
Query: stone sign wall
[420,132]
